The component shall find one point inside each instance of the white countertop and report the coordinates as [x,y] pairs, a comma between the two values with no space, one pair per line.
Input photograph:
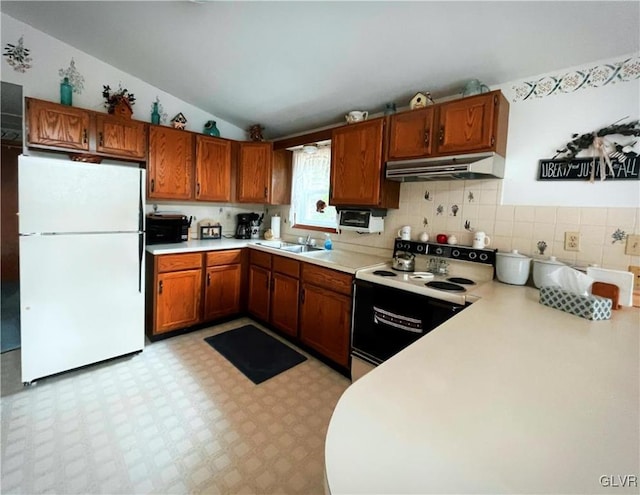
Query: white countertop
[345,261]
[509,396]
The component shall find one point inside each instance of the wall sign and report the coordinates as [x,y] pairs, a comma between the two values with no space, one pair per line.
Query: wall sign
[580,169]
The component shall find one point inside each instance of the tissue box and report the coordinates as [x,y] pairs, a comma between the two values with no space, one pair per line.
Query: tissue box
[589,307]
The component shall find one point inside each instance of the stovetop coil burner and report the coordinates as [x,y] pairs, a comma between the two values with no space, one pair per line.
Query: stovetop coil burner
[385,273]
[460,280]
[445,286]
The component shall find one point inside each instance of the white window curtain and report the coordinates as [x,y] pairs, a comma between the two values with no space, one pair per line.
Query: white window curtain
[311,184]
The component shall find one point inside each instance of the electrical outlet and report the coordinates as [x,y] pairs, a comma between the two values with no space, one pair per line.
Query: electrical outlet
[572,241]
[636,276]
[633,245]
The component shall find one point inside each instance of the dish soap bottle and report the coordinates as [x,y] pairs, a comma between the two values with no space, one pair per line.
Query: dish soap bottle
[328,245]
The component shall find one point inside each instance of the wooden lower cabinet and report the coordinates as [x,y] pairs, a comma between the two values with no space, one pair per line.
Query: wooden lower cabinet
[325,322]
[325,312]
[259,292]
[285,293]
[186,289]
[222,291]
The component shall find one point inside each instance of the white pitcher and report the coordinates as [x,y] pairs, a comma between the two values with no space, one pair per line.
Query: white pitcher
[481,240]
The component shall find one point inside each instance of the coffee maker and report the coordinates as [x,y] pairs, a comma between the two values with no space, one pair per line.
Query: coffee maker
[243,229]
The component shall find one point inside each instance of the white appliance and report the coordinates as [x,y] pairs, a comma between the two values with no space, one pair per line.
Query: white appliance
[81,232]
[362,221]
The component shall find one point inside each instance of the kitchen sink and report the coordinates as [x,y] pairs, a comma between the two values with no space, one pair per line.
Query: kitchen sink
[288,246]
[300,248]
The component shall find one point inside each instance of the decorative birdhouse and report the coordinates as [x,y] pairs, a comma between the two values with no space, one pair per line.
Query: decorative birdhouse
[179,121]
[122,108]
[420,100]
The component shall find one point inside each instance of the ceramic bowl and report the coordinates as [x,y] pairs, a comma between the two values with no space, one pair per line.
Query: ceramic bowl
[512,268]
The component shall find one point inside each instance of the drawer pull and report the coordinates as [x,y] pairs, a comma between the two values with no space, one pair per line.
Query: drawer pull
[426,137]
[84,136]
[160,287]
[441,138]
[100,139]
[208,279]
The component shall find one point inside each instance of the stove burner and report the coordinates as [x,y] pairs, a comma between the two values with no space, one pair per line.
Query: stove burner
[384,273]
[460,280]
[445,286]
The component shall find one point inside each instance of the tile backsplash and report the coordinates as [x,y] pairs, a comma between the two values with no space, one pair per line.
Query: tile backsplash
[450,206]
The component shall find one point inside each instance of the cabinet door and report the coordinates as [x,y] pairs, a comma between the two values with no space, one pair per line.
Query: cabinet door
[281,176]
[284,303]
[178,300]
[259,292]
[410,134]
[213,169]
[466,124]
[57,126]
[254,172]
[356,164]
[120,136]
[325,322]
[222,291]
[170,167]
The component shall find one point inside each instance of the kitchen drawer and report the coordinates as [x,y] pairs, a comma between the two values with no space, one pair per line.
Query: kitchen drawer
[286,266]
[177,262]
[259,258]
[231,257]
[329,279]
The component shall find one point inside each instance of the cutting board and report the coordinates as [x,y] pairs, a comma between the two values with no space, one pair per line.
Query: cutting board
[624,281]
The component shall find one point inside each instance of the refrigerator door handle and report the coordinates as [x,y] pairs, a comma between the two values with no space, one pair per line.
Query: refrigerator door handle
[140,255]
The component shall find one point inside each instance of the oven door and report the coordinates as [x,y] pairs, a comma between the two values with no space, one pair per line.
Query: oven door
[386,320]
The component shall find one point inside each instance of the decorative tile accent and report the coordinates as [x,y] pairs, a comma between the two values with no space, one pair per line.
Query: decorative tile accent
[618,236]
[17,56]
[471,197]
[454,210]
[594,77]
[439,210]
[427,195]
[541,246]
[425,222]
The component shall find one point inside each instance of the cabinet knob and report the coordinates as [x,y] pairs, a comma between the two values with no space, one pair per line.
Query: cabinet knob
[441,137]
[153,185]
[302,295]
[426,137]
[266,284]
[84,136]
[208,279]
[198,189]
[265,192]
[160,287]
[100,139]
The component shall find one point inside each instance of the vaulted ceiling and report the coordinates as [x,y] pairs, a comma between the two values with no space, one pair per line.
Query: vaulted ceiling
[296,66]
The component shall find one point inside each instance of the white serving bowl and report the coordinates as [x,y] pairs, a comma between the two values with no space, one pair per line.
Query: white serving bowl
[542,268]
[512,268]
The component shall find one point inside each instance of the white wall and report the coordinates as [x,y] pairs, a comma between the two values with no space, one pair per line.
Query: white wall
[540,126]
[49,55]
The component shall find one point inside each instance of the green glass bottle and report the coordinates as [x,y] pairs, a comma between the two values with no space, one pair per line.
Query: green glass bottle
[155,114]
[66,92]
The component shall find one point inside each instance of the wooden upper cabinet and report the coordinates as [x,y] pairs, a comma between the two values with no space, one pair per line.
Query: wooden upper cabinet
[120,136]
[466,125]
[357,168]
[170,166]
[411,134]
[213,169]
[281,176]
[50,125]
[254,172]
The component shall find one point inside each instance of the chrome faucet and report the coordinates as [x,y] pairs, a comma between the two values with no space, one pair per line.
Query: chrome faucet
[308,240]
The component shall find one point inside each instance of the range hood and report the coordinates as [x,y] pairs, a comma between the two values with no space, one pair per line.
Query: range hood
[465,167]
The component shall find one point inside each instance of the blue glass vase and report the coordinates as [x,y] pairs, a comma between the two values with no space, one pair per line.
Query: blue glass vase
[66,92]
[210,129]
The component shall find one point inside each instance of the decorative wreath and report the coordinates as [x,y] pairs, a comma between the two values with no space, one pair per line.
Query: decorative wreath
[602,148]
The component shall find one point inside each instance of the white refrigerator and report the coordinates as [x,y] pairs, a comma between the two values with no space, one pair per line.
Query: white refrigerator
[81,232]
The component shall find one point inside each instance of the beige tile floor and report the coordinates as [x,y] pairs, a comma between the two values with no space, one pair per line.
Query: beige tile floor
[177,418]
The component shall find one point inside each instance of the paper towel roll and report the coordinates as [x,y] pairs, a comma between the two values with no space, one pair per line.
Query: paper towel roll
[275,227]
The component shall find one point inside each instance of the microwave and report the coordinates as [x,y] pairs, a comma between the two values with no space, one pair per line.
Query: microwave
[363,221]
[167,228]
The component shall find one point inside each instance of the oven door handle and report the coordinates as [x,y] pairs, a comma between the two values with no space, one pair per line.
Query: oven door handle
[401,322]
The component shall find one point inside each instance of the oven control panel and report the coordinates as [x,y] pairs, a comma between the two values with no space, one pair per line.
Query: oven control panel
[462,253]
